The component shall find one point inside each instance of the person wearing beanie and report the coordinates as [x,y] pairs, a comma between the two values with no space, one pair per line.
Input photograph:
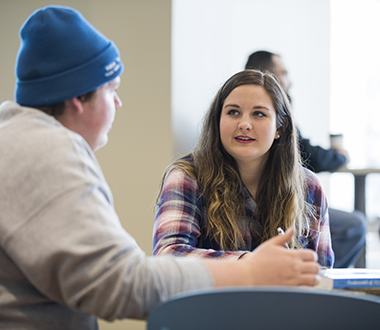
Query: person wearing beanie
[64,257]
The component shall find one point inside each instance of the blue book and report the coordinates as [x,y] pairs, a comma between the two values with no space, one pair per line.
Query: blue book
[350,278]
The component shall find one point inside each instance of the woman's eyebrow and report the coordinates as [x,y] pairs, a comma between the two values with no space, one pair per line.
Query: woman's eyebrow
[232,105]
[257,107]
[260,107]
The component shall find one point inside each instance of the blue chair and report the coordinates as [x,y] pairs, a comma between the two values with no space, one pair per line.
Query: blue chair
[261,308]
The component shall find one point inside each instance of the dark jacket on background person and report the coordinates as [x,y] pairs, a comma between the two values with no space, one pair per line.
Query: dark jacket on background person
[318,159]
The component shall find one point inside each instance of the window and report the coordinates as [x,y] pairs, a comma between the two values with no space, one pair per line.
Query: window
[355,95]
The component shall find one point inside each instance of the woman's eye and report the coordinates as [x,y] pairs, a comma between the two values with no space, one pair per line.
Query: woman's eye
[233,112]
[259,114]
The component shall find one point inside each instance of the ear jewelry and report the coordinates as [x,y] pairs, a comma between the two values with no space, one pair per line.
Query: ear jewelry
[278,136]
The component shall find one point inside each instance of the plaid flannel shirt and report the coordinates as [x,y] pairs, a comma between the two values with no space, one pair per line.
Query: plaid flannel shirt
[181,215]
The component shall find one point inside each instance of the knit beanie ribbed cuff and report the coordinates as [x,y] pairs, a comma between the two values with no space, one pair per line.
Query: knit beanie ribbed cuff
[72,83]
[62,56]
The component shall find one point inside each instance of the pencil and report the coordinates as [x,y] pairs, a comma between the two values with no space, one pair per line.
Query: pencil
[281,232]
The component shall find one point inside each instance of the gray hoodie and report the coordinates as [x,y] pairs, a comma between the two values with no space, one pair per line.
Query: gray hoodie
[65,259]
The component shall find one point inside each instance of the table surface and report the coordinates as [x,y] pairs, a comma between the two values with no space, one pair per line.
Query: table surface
[358,171]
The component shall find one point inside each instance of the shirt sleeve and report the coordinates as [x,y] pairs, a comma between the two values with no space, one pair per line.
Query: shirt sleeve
[318,159]
[77,254]
[319,236]
[178,225]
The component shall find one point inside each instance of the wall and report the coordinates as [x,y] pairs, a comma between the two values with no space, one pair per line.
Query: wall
[212,40]
[140,144]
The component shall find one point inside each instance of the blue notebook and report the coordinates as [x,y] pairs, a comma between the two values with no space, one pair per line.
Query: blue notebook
[350,278]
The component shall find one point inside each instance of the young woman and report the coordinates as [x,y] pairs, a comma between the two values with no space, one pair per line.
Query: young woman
[243,180]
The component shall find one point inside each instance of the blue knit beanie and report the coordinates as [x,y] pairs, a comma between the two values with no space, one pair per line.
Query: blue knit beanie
[62,56]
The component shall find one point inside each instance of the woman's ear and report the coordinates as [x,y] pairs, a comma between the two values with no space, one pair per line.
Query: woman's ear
[278,133]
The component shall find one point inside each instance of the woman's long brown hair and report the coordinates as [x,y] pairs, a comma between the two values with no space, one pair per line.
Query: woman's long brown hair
[281,193]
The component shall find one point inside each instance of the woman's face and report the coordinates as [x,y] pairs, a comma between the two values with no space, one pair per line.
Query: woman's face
[248,124]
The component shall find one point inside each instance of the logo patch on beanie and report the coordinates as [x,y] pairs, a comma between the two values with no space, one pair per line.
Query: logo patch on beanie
[113,67]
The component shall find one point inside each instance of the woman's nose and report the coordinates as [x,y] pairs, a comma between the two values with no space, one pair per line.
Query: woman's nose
[245,125]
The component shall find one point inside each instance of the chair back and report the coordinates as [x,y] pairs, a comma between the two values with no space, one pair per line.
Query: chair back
[278,308]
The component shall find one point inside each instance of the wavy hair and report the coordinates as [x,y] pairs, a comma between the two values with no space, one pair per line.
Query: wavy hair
[281,192]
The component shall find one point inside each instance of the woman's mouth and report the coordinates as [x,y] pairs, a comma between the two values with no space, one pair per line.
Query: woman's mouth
[244,139]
